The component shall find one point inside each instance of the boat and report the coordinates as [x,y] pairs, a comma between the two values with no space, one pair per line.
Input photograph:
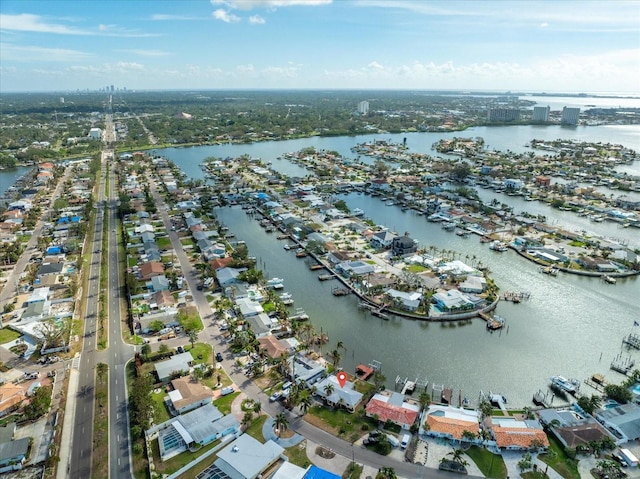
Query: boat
[564,384]
[498,246]
[550,270]
[276,283]
[286,299]
[389,203]
[609,279]
[287,246]
[448,226]
[301,253]
[357,212]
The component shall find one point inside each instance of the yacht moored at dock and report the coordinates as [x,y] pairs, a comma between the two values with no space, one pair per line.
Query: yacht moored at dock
[564,384]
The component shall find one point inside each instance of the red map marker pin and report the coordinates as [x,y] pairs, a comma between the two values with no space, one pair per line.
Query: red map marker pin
[342,378]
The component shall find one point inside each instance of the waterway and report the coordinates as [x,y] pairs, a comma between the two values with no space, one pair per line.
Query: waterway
[571,326]
[9,176]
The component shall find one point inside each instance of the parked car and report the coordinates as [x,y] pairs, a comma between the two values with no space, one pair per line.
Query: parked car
[180,349]
[226,391]
[275,396]
[219,357]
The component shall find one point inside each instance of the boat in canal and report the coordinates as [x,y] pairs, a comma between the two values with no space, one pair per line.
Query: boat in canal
[564,384]
[498,246]
[276,283]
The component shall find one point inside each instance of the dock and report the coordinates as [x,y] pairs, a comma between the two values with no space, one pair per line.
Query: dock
[337,291]
[622,365]
[515,296]
[493,322]
[299,316]
[364,372]
[326,277]
[596,381]
[315,267]
[632,341]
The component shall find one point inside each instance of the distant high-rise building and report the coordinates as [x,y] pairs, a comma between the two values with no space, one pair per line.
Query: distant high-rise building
[363,107]
[541,113]
[501,115]
[570,115]
[61,99]
[112,89]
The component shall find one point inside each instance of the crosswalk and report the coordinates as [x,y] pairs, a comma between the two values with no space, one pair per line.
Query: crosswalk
[75,362]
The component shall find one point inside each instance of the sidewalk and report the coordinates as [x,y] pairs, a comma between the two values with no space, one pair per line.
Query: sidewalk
[67,426]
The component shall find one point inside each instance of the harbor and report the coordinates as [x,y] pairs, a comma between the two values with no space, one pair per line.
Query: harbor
[590,324]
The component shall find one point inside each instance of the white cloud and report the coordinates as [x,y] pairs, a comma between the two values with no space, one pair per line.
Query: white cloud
[257,20]
[544,25]
[146,53]
[28,53]
[375,66]
[225,16]
[268,4]
[26,22]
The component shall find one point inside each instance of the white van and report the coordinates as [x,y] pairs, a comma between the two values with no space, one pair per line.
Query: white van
[405,441]
[393,440]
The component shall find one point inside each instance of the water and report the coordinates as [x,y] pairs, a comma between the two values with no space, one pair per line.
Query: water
[572,326]
[9,176]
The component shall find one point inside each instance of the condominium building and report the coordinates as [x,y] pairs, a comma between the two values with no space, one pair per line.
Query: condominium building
[570,115]
[363,107]
[501,115]
[541,113]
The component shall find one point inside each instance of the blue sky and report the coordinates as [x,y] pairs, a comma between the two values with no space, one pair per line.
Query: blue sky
[554,45]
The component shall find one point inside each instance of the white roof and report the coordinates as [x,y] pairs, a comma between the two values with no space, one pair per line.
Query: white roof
[289,471]
[248,456]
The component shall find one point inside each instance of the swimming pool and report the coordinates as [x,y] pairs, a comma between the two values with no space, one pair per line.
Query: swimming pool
[636,389]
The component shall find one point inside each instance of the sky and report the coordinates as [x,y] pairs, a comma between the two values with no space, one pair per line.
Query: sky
[532,46]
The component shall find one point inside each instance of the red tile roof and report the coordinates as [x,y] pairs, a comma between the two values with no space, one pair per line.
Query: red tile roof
[519,436]
[389,412]
[450,426]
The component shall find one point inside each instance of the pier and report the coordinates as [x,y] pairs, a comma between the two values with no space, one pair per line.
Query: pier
[326,277]
[632,341]
[622,365]
[493,322]
[515,296]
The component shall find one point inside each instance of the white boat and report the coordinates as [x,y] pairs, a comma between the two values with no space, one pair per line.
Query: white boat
[286,298]
[390,203]
[498,246]
[564,384]
[276,283]
[609,279]
[357,212]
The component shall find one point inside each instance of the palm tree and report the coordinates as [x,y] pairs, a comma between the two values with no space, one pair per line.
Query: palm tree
[101,370]
[246,419]
[257,407]
[457,457]
[335,358]
[280,423]
[328,389]
[305,402]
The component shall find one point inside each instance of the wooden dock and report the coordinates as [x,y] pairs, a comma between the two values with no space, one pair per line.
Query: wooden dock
[315,267]
[337,291]
[326,277]
[622,365]
[515,296]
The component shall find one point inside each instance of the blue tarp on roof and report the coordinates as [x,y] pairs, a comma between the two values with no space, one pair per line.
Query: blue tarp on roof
[315,472]
[54,250]
[262,196]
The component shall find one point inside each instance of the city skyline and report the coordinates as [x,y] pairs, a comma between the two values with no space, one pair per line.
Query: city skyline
[570,46]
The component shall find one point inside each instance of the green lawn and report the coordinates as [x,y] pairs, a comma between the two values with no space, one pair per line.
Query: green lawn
[339,422]
[7,335]
[224,403]
[255,430]
[491,465]
[201,352]
[298,455]
[353,471]
[163,242]
[559,461]
[160,411]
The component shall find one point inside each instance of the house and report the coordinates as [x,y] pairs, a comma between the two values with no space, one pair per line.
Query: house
[336,395]
[392,406]
[515,435]
[452,300]
[48,269]
[11,396]
[306,369]
[163,299]
[450,422]
[382,239]
[473,284]
[228,276]
[151,269]
[196,428]
[178,362]
[262,324]
[188,394]
[622,420]
[272,346]
[248,307]
[12,451]
[246,458]
[403,246]
[409,301]
[355,268]
[158,283]
[38,295]
[571,428]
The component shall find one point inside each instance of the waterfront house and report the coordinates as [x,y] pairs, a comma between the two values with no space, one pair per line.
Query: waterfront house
[473,284]
[272,346]
[572,428]
[188,394]
[192,430]
[394,407]
[336,395]
[452,301]
[449,422]
[228,276]
[407,300]
[518,435]
[306,369]
[178,362]
[623,421]
[248,307]
[355,268]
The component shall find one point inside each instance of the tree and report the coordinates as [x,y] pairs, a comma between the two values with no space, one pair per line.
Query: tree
[457,456]
[101,371]
[335,358]
[247,419]
[378,379]
[257,407]
[618,393]
[386,473]
[304,402]
[425,399]
[280,423]
[328,390]
[193,337]
[39,403]
[146,350]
